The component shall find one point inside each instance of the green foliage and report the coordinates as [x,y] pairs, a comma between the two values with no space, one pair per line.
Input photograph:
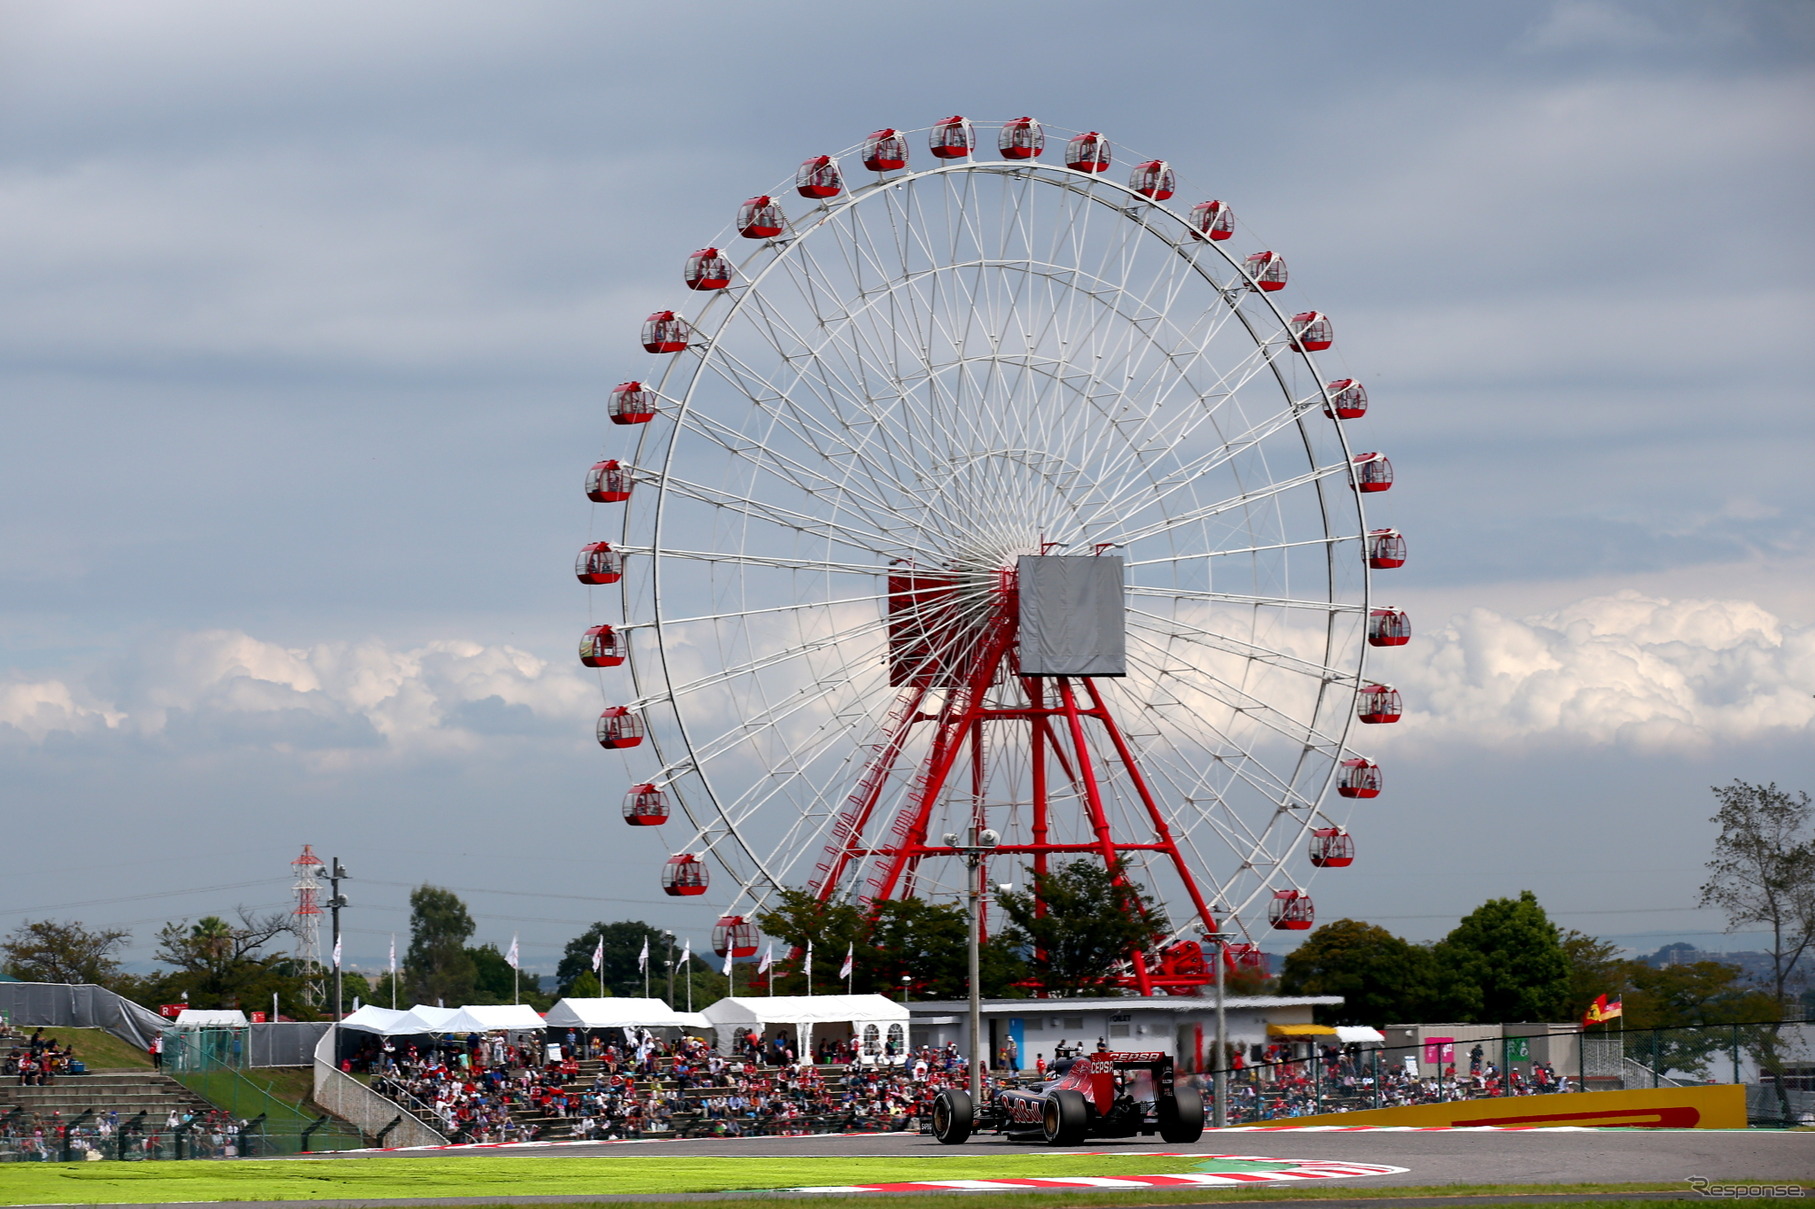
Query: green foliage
[624,940]
[928,942]
[1691,993]
[1093,918]
[1382,978]
[46,950]
[1505,963]
[1595,968]
[225,965]
[438,967]
[495,982]
[1762,870]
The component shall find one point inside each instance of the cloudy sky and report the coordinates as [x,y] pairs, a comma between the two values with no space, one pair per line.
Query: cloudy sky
[308,311]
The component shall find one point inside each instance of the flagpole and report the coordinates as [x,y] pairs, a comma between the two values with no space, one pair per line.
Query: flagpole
[393,971]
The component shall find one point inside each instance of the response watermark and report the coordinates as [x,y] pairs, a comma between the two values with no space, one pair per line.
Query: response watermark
[1707,1187]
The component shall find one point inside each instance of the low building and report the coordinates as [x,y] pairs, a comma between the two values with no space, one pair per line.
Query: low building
[1182,1026]
[1433,1049]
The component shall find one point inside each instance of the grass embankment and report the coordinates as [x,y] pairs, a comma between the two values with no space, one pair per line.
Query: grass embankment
[97,1049]
[387,1177]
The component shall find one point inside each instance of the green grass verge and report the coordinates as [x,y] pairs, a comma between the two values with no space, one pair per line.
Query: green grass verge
[97,1049]
[539,1175]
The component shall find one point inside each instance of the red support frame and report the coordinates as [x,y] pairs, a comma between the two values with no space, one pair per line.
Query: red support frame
[1060,720]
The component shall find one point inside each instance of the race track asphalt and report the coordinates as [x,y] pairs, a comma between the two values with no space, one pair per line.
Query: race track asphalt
[1431,1157]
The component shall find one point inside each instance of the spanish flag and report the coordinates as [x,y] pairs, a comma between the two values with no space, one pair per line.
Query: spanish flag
[1602,1010]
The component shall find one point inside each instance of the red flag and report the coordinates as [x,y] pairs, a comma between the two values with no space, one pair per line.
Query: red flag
[1596,1011]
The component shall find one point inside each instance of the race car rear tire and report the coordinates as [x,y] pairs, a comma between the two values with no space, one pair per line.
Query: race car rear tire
[1182,1117]
[953,1116]
[1064,1118]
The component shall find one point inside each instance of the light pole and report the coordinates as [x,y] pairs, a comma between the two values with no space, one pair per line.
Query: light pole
[336,900]
[1219,1076]
[976,846]
[905,979]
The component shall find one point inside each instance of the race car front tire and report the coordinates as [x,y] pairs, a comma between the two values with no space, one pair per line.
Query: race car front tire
[1182,1117]
[1064,1118]
[953,1116]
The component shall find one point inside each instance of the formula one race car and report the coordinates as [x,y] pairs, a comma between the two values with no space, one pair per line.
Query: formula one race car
[1102,1095]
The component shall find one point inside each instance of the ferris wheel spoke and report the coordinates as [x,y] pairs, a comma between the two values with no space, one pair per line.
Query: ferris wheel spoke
[722,617]
[1241,598]
[1244,500]
[868,540]
[758,560]
[1233,697]
[1171,628]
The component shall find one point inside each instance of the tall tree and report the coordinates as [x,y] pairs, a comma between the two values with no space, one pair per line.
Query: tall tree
[1382,978]
[222,964]
[1505,963]
[438,967]
[45,950]
[624,941]
[1092,918]
[1762,871]
[1595,967]
[926,942]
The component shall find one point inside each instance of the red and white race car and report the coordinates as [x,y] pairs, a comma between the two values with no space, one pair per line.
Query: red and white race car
[1102,1095]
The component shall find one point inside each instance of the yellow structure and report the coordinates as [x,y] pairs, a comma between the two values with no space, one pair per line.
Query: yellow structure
[1717,1107]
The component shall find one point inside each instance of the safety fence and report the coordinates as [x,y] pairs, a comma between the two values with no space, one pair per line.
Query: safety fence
[1774,1060]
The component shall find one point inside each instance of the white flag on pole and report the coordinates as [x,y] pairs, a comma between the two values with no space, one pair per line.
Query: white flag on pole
[393,953]
[598,959]
[686,952]
[337,952]
[643,957]
[762,967]
[809,963]
[510,958]
[850,957]
[727,970]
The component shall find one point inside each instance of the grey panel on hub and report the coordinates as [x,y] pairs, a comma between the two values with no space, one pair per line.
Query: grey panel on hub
[1073,617]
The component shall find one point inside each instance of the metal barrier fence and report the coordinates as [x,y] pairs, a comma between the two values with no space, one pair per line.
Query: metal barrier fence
[140,1138]
[204,1062]
[1773,1059]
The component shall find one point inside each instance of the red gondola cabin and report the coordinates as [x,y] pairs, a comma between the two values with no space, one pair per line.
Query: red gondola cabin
[1311,332]
[599,564]
[886,150]
[608,482]
[734,935]
[1372,472]
[1389,627]
[1348,400]
[684,875]
[819,178]
[707,270]
[1377,704]
[1088,152]
[1213,220]
[760,218]
[1291,911]
[1153,178]
[619,727]
[665,332]
[631,403]
[1358,779]
[1021,139]
[645,806]
[1245,955]
[1267,270]
[602,646]
[952,139]
[1386,549]
[1332,848]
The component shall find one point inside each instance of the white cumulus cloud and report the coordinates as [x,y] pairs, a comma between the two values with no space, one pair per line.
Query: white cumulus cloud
[222,689]
[1630,669]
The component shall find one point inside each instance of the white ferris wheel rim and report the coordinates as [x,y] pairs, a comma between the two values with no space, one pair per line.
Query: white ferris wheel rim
[690,750]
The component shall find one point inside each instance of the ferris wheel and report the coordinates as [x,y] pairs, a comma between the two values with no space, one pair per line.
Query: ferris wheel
[989,491]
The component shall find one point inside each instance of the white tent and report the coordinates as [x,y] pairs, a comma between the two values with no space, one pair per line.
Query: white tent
[872,1019]
[497,1017]
[374,1019]
[620,1013]
[201,1018]
[1351,1034]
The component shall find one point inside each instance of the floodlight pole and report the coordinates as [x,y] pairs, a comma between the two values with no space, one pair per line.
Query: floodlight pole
[1219,1086]
[336,900]
[976,846]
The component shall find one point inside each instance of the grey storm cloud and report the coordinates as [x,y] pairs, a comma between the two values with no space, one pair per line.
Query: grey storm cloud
[308,313]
